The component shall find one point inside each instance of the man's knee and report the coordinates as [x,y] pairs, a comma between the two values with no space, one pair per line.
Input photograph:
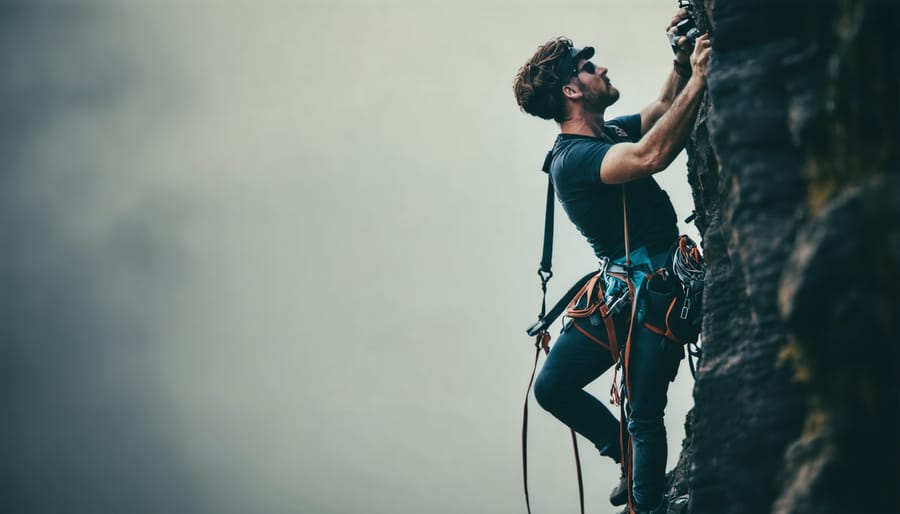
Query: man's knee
[547,391]
[646,428]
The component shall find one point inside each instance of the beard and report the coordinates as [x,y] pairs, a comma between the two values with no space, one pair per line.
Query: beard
[597,102]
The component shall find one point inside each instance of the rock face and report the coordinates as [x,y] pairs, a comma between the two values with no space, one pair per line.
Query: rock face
[793,166]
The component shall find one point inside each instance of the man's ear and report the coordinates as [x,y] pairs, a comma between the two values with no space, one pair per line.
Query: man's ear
[571,92]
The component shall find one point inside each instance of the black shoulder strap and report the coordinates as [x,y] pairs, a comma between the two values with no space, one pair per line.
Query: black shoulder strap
[545,271]
[545,319]
[547,257]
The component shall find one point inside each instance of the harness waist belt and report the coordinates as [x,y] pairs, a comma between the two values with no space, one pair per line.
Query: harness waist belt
[606,266]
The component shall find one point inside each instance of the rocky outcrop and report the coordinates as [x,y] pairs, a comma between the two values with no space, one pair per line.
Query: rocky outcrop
[793,166]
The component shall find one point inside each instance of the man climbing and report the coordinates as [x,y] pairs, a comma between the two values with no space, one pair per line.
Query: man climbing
[592,161]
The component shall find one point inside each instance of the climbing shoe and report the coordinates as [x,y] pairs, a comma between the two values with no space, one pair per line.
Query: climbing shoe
[678,505]
[619,494]
[658,510]
[662,508]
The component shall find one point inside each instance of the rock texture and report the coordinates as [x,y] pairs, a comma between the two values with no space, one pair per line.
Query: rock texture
[794,166]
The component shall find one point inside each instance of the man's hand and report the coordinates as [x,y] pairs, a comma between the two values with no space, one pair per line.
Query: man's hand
[700,57]
[683,53]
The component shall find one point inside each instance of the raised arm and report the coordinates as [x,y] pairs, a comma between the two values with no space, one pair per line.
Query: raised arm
[654,152]
[674,83]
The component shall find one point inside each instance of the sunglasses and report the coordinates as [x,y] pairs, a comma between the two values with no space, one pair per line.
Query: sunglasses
[587,67]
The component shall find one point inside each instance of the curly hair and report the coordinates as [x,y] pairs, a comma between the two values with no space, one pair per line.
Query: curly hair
[537,83]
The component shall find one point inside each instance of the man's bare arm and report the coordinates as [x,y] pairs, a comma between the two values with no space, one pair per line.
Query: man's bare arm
[654,152]
[674,83]
[653,112]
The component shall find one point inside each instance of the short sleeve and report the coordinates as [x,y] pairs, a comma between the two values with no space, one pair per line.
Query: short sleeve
[630,125]
[587,157]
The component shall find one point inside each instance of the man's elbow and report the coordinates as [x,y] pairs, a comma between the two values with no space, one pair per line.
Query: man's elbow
[652,115]
[654,161]
[663,105]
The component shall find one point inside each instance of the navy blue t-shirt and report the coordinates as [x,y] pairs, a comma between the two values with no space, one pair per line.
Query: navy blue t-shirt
[596,208]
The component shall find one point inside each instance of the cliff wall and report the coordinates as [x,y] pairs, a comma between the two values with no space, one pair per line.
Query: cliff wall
[793,166]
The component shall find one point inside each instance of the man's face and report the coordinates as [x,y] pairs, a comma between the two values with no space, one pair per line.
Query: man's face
[598,92]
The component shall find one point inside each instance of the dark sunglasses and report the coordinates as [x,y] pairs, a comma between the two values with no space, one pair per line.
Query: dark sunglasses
[586,67]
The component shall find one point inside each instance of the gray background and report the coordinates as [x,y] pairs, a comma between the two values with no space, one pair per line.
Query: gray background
[279,256]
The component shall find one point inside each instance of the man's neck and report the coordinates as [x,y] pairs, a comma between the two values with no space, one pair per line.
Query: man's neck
[584,124]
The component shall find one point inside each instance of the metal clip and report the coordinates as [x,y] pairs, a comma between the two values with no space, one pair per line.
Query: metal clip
[686,308]
[620,303]
[604,263]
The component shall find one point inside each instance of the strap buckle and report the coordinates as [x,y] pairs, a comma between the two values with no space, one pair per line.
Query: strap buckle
[686,308]
[545,276]
[604,264]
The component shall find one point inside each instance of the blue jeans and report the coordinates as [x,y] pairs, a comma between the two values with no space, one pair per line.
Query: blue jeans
[575,361]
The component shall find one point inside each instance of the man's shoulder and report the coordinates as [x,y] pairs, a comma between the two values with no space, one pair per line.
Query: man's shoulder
[577,158]
[618,131]
[624,128]
[570,149]
[576,142]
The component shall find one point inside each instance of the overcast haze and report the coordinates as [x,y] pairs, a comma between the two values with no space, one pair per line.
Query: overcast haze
[279,257]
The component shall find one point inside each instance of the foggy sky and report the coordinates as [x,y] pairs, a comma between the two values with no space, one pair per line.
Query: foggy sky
[279,257]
